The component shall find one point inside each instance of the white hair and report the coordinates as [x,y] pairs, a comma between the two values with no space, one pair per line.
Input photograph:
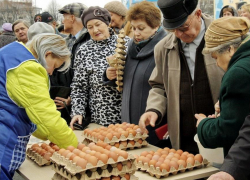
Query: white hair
[45,42]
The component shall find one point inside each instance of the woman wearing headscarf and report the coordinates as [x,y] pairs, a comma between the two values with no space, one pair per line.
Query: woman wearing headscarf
[118,21]
[90,63]
[228,11]
[145,19]
[25,104]
[7,36]
[224,40]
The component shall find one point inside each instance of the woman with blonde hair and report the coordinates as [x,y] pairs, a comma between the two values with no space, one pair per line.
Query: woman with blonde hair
[245,11]
[25,104]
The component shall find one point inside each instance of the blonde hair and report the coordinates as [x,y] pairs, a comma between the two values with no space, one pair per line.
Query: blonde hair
[42,43]
[246,7]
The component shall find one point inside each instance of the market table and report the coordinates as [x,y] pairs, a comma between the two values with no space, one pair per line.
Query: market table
[31,171]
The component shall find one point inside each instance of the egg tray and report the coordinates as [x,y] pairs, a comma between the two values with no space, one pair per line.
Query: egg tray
[155,171]
[59,177]
[37,158]
[121,146]
[73,169]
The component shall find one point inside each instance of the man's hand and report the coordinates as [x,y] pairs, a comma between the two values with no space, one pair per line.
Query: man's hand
[111,73]
[148,118]
[199,118]
[75,119]
[221,176]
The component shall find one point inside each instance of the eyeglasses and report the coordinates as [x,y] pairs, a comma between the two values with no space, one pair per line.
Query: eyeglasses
[182,28]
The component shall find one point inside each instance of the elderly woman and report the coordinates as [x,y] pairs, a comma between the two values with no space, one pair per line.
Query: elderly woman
[20,28]
[145,19]
[90,63]
[245,11]
[7,36]
[25,103]
[224,41]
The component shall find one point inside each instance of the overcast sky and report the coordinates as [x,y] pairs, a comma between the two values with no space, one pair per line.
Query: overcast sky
[44,3]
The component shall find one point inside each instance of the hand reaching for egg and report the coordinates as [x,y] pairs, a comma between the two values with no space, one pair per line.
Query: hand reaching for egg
[148,118]
[77,118]
[199,118]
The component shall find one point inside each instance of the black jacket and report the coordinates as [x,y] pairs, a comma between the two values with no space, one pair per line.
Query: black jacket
[138,68]
[237,162]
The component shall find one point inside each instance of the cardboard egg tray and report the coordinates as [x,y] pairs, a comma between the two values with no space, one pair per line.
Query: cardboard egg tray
[37,158]
[155,171]
[114,140]
[70,170]
[59,177]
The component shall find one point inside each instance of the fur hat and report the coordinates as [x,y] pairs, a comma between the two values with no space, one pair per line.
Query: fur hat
[73,8]
[7,27]
[224,31]
[116,7]
[95,12]
[38,28]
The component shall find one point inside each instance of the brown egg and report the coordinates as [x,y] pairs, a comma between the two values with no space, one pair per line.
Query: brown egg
[71,148]
[82,163]
[125,133]
[115,178]
[111,125]
[177,155]
[56,148]
[105,178]
[185,153]
[198,157]
[69,155]
[179,151]
[157,153]
[122,153]
[127,176]
[167,161]
[164,166]
[65,153]
[124,143]
[136,127]
[91,145]
[190,155]
[182,162]
[133,132]
[161,159]
[113,155]
[144,153]
[152,162]
[75,159]
[104,158]
[51,150]
[80,146]
[119,166]
[76,151]
[108,147]
[43,145]
[149,156]
[140,141]
[109,136]
[164,152]
[85,149]
[158,164]
[136,156]
[34,145]
[183,157]
[82,155]
[129,164]
[172,150]
[47,155]
[155,157]
[117,134]
[174,164]
[145,160]
[101,137]
[61,151]
[117,144]
[72,157]
[190,160]
[164,156]
[92,160]
[132,142]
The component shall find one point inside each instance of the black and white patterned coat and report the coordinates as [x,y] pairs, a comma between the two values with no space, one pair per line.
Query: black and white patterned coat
[87,86]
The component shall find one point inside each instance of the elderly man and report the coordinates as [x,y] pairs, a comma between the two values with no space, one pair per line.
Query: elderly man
[78,35]
[20,28]
[184,81]
[46,17]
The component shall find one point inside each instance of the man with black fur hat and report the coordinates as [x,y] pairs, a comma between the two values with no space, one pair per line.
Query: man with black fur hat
[184,82]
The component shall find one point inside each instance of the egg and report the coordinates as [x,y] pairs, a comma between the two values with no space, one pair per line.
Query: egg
[127,176]
[124,143]
[152,162]
[124,133]
[115,178]
[34,145]
[182,162]
[140,141]
[149,156]
[75,159]
[44,145]
[198,157]
[133,132]
[145,160]
[61,151]
[105,178]
[166,161]
[91,145]
[117,134]
[85,149]
[174,159]
[92,160]
[65,153]
[71,148]
[179,151]
[69,155]
[190,155]
[164,166]
[119,166]
[158,164]
[76,151]
[117,144]
[183,157]
[47,155]
[140,158]
[103,158]
[109,136]
[166,148]
[144,153]
[113,155]
[82,155]
[155,157]
[82,163]
[174,164]
[122,153]
[172,150]
[185,153]
[129,164]
[101,137]
[131,142]
[190,160]
[80,146]
[111,125]
[108,147]
[56,148]
[164,152]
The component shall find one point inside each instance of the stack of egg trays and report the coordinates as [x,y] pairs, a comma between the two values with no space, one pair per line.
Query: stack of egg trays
[59,177]
[71,171]
[111,142]
[37,158]
[155,171]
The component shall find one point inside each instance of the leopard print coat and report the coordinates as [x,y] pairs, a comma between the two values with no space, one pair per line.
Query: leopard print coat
[87,86]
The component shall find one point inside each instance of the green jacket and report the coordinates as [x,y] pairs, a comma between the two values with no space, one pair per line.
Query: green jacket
[234,104]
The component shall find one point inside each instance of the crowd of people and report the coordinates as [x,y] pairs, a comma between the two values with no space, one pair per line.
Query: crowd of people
[186,70]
